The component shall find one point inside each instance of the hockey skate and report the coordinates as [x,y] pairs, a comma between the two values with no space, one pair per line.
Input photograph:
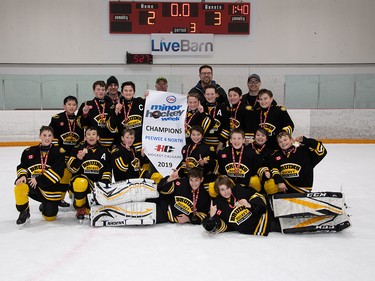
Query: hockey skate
[23,218]
[64,206]
[80,215]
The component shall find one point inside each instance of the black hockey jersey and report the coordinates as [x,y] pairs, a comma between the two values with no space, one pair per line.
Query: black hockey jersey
[220,130]
[131,117]
[191,153]
[274,120]
[100,115]
[241,117]
[196,118]
[46,165]
[183,200]
[238,164]
[67,133]
[95,166]
[295,168]
[126,163]
[232,216]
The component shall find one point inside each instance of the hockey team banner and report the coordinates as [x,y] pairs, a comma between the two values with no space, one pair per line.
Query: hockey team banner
[163,133]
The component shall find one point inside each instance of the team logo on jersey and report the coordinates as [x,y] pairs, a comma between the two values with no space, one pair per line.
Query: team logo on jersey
[233,171]
[223,155]
[30,157]
[268,127]
[136,164]
[239,215]
[36,170]
[132,122]
[290,170]
[190,163]
[217,124]
[92,167]
[183,204]
[70,138]
[101,120]
[234,123]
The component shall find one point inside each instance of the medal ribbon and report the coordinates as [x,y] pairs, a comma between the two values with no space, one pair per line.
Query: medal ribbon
[238,164]
[235,114]
[195,200]
[71,130]
[188,153]
[258,150]
[262,122]
[234,201]
[43,160]
[127,112]
[101,113]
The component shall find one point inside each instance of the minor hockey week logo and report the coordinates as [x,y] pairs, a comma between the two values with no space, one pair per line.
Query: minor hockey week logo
[166,112]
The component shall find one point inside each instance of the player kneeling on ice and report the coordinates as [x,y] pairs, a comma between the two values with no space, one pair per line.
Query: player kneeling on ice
[184,199]
[122,203]
[89,162]
[38,177]
[292,166]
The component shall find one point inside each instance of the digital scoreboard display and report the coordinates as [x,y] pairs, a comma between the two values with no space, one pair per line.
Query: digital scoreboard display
[129,17]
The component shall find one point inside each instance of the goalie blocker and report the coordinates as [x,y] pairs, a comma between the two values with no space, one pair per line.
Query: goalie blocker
[310,212]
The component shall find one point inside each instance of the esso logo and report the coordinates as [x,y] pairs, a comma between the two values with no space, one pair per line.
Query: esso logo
[170,99]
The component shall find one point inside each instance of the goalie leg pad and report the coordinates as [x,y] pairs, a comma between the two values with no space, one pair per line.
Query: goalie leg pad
[308,204]
[131,190]
[314,224]
[134,213]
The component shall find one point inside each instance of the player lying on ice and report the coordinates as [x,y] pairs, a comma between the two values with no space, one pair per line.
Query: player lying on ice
[244,210]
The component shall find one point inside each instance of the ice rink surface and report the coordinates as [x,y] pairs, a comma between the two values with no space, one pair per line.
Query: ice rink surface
[65,250]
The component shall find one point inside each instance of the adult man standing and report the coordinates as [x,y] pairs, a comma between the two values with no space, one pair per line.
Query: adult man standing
[253,83]
[205,76]
[161,84]
[112,89]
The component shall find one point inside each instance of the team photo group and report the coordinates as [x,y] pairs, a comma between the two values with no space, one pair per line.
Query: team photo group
[228,161]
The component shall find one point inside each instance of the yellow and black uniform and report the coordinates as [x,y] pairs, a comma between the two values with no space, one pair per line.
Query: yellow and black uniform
[295,167]
[95,166]
[240,165]
[196,118]
[274,120]
[191,153]
[130,117]
[263,154]
[220,130]
[241,116]
[45,164]
[181,199]
[126,163]
[67,134]
[231,216]
[101,112]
